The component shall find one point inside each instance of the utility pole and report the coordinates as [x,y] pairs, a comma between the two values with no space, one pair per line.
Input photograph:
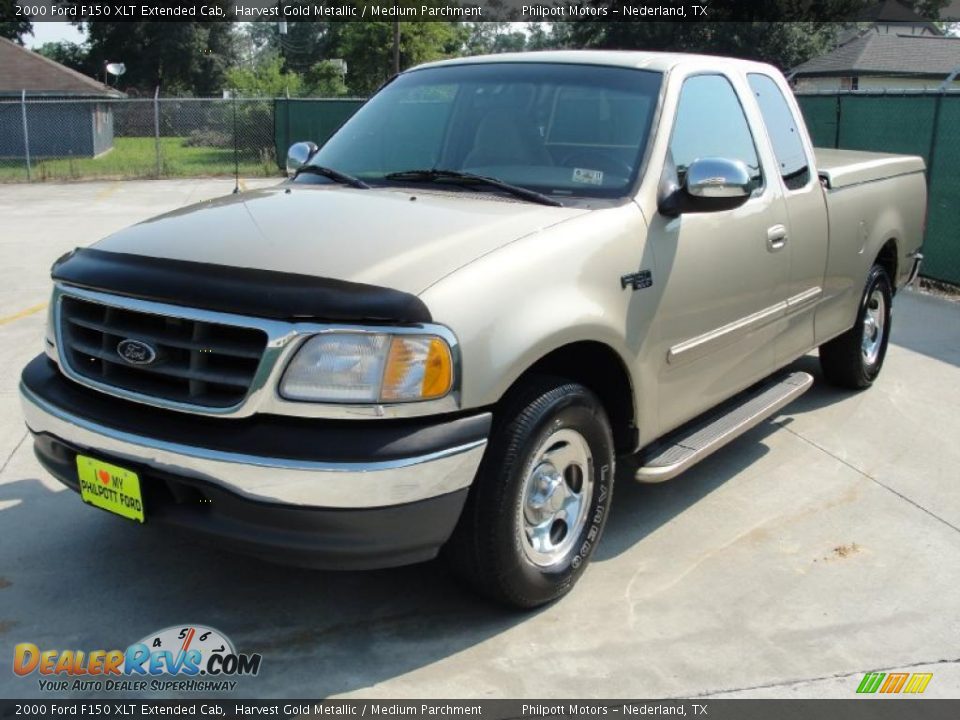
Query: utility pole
[282,27]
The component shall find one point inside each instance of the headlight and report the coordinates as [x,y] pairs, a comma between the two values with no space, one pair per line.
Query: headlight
[357,367]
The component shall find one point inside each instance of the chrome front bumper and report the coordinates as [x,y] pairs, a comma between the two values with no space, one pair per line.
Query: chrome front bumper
[291,482]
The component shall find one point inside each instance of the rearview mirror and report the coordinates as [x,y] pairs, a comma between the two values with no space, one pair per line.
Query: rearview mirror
[299,155]
[709,185]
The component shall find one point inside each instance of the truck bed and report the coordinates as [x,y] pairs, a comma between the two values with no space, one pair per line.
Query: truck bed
[842,168]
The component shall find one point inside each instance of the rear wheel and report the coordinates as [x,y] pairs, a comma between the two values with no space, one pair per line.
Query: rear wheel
[854,359]
[540,501]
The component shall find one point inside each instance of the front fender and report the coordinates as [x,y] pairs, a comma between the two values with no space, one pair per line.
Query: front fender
[554,287]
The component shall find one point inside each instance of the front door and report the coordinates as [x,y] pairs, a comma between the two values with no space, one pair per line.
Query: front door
[723,273]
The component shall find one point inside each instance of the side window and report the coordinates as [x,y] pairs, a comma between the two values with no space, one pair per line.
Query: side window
[710,123]
[784,133]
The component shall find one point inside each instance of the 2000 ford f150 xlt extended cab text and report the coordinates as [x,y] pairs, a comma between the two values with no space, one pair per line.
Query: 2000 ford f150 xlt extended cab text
[501,275]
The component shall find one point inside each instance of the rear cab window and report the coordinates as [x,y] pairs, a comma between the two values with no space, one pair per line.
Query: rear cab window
[783,131]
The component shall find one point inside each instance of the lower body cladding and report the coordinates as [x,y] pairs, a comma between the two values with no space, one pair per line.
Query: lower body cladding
[328,494]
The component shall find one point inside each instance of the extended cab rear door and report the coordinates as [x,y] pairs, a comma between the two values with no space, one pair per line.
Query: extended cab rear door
[723,273]
[808,236]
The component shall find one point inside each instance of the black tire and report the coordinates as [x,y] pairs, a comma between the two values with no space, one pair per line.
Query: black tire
[489,549]
[844,360]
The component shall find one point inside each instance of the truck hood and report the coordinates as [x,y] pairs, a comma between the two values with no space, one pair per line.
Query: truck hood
[390,237]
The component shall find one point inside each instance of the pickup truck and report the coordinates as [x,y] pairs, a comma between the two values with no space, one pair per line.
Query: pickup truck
[499,280]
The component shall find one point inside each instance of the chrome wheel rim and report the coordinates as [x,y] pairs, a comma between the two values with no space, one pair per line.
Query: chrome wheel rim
[556,497]
[873,324]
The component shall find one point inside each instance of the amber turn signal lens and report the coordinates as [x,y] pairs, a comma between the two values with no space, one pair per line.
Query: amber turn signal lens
[438,374]
[419,367]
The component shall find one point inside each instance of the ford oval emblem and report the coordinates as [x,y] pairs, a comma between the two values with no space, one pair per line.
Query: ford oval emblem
[136,352]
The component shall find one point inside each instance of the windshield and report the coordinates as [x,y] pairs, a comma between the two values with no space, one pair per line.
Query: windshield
[561,130]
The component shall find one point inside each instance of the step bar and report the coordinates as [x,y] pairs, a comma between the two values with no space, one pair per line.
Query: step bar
[688,446]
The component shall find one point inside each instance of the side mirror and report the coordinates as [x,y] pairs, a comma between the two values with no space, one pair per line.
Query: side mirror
[299,155]
[710,185]
[719,181]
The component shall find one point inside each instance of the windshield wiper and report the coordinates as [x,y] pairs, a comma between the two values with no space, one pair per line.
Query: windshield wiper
[471,179]
[331,174]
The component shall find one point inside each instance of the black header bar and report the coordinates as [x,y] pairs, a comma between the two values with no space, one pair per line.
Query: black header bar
[431,10]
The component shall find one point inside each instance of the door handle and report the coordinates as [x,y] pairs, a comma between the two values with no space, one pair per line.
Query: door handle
[776,237]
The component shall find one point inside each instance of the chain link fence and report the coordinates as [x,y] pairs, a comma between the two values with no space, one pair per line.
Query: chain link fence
[915,123]
[74,139]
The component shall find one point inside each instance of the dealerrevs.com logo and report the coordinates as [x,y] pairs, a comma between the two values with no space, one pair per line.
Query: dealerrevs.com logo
[177,658]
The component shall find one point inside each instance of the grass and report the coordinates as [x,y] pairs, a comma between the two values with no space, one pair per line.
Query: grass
[136,157]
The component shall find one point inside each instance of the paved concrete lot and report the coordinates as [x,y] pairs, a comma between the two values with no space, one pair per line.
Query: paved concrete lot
[820,546]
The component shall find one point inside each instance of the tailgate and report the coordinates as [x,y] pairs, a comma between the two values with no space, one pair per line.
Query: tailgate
[841,168]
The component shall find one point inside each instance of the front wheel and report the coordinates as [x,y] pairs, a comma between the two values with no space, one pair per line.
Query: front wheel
[853,360]
[541,498]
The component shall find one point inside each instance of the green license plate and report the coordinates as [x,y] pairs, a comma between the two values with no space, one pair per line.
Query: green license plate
[109,487]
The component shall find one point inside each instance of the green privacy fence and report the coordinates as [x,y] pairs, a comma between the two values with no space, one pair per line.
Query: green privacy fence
[925,124]
[308,119]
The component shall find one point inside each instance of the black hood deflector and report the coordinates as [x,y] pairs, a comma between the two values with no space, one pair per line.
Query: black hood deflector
[243,291]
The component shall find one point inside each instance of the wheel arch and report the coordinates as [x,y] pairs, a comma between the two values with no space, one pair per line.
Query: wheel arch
[598,367]
[888,258]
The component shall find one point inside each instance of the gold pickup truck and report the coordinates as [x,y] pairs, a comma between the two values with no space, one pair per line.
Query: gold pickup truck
[501,277]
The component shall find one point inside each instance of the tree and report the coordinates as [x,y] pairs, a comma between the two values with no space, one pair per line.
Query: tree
[300,47]
[493,37]
[324,79]
[73,55]
[367,48]
[266,78]
[784,44]
[181,57]
[929,9]
[11,27]
[543,36]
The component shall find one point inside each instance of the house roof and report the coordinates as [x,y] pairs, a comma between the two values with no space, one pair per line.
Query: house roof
[22,69]
[874,53]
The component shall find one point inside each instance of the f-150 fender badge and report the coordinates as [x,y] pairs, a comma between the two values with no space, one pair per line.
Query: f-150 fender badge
[637,280]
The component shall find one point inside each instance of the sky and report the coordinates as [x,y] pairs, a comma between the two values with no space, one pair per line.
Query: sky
[44,32]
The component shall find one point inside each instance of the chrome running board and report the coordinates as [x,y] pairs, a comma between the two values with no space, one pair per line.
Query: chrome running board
[692,443]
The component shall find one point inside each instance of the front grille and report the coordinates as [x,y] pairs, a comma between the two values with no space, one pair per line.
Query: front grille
[197,363]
